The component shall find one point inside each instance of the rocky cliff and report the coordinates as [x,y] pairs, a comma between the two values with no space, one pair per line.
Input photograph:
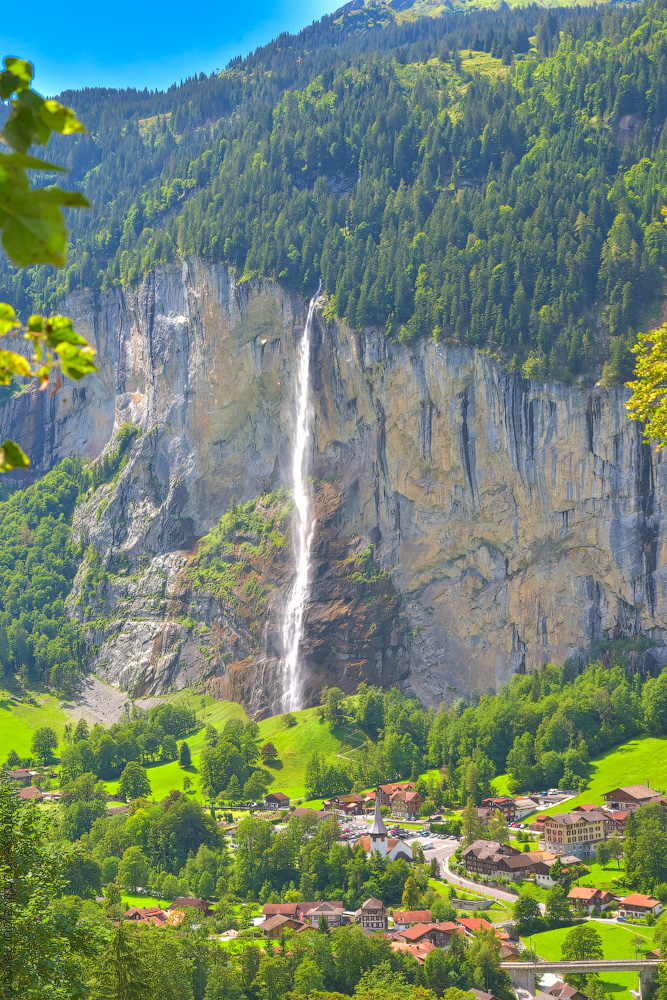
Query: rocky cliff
[509,522]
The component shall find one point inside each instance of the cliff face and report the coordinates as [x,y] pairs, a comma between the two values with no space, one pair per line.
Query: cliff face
[516,522]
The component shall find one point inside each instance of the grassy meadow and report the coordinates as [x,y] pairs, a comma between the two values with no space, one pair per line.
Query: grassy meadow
[618,941]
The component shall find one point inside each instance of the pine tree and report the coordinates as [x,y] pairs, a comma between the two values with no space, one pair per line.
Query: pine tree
[184,755]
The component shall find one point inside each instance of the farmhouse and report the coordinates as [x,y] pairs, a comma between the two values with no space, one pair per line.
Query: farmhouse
[385,792]
[276,800]
[406,918]
[630,797]
[372,915]
[587,899]
[332,910]
[406,804]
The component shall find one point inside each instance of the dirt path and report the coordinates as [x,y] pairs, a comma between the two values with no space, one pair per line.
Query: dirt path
[96,701]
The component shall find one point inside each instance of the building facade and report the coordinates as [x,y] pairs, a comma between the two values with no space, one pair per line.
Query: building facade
[577,833]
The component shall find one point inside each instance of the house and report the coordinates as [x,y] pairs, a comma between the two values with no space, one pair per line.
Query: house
[31,794]
[564,992]
[523,805]
[319,814]
[333,911]
[637,906]
[21,775]
[406,918]
[275,926]
[439,933]
[630,798]
[473,925]
[419,950]
[406,804]
[617,820]
[385,792]
[193,903]
[542,868]
[372,915]
[154,915]
[502,804]
[586,899]
[509,952]
[576,833]
[346,805]
[276,800]
[483,856]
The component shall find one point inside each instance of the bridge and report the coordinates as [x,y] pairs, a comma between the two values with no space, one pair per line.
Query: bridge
[523,973]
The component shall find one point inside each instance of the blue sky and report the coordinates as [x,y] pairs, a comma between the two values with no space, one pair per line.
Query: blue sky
[141,44]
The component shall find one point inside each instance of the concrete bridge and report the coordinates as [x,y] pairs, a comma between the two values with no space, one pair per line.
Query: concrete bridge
[523,974]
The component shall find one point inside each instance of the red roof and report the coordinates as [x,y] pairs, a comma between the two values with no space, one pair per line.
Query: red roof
[639,899]
[30,793]
[419,930]
[474,924]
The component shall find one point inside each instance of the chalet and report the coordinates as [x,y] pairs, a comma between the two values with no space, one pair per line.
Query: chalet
[406,804]
[346,805]
[372,915]
[473,925]
[419,950]
[562,991]
[525,804]
[193,903]
[332,911]
[21,775]
[586,899]
[576,833]
[502,804]
[630,797]
[275,926]
[483,856]
[154,915]
[276,800]
[439,933]
[542,868]
[637,906]
[385,792]
[31,794]
[617,820]
[406,918]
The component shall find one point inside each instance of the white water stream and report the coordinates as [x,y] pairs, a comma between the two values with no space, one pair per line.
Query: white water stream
[303,524]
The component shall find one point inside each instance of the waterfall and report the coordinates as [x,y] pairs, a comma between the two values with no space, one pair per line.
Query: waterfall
[304,524]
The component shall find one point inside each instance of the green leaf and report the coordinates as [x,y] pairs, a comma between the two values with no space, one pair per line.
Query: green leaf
[74,361]
[60,118]
[17,76]
[34,230]
[8,319]
[12,457]
[59,330]
[27,162]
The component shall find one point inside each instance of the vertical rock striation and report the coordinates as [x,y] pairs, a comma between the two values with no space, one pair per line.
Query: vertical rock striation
[517,521]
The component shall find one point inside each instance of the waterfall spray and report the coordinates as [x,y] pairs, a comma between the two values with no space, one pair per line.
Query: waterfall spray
[304,524]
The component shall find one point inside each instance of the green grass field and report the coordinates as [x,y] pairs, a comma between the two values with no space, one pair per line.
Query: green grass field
[19,719]
[618,941]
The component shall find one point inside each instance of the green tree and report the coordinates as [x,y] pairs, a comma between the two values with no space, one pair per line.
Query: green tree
[557,905]
[603,854]
[255,787]
[206,886]
[44,743]
[38,949]
[268,753]
[582,943]
[615,848]
[498,828]
[133,870]
[411,898]
[527,915]
[134,781]
[307,978]
[470,822]
[122,972]
[184,755]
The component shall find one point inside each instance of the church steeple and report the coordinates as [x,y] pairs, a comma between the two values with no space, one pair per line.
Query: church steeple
[378,831]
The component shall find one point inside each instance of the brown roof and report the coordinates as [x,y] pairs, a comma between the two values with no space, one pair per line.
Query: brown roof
[372,903]
[286,909]
[30,793]
[569,819]
[418,931]
[488,848]
[279,796]
[412,916]
[276,921]
[637,792]
[333,906]
[19,774]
